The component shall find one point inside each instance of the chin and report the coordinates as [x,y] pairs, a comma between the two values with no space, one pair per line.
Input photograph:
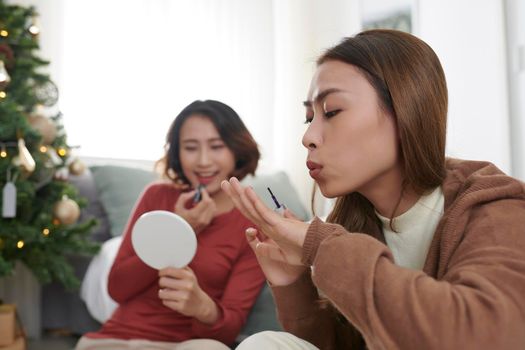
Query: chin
[333,191]
[213,188]
[327,191]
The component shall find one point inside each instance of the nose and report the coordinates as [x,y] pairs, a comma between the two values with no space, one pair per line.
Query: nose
[312,137]
[204,157]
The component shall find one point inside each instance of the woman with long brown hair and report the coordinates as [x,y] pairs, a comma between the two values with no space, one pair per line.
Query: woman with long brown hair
[420,251]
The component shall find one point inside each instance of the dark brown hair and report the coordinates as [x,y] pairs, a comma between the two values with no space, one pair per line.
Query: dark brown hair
[231,129]
[410,83]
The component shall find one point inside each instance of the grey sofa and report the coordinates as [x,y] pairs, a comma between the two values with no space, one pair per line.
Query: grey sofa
[111,192]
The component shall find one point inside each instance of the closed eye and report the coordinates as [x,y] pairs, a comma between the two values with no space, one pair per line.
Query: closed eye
[330,114]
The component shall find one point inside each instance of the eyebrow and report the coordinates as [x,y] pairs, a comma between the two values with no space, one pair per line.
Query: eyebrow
[321,96]
[196,141]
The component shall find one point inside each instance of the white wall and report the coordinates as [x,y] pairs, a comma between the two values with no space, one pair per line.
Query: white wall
[302,30]
[515,19]
[469,38]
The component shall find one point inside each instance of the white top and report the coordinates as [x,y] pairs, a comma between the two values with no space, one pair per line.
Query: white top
[415,230]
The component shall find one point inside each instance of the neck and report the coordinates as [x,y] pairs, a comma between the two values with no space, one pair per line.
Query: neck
[388,195]
[222,202]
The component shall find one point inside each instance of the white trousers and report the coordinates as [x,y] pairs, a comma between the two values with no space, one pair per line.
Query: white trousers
[139,344]
[270,340]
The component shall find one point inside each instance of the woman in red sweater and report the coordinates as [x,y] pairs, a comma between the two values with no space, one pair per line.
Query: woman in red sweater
[205,304]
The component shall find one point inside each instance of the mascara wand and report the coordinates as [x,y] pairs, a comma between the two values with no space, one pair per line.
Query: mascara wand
[278,206]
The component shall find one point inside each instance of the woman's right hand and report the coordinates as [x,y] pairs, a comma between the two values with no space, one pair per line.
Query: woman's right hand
[201,214]
[277,272]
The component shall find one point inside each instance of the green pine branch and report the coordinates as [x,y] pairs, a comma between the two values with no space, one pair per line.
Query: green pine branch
[34,236]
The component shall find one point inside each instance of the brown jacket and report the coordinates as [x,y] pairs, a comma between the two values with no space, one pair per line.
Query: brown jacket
[470,294]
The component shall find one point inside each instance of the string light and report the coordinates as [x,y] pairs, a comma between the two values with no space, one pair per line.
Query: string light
[34,30]
[62,152]
[20,244]
[4,33]
[4,146]
[3,94]
[45,232]
[43,149]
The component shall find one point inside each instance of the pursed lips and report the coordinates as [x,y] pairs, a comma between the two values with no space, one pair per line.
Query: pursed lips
[315,168]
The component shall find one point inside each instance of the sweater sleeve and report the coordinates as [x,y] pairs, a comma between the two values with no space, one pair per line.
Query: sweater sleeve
[304,313]
[477,303]
[129,276]
[241,291]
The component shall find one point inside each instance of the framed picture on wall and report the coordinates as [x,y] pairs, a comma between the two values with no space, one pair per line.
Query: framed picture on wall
[388,14]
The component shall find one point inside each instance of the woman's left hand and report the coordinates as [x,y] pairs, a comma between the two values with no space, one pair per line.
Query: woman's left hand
[180,291]
[287,233]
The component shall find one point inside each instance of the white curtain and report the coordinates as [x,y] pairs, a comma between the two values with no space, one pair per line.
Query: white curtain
[129,66]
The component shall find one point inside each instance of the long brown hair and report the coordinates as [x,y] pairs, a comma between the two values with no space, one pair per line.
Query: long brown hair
[410,83]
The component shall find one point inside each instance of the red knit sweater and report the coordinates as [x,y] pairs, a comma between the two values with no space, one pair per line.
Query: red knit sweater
[224,264]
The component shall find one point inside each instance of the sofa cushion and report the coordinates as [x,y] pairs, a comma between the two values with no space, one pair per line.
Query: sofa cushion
[94,208]
[263,315]
[119,188]
[282,189]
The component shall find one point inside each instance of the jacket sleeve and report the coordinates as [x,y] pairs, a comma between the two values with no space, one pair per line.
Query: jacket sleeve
[129,276]
[477,303]
[303,313]
[240,293]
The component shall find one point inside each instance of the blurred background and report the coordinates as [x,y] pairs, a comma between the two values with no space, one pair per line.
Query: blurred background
[125,68]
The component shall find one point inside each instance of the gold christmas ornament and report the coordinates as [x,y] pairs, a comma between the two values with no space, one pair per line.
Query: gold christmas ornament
[77,167]
[66,211]
[4,76]
[45,126]
[25,160]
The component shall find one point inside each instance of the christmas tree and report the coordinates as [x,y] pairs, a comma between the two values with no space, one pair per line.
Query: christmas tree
[39,208]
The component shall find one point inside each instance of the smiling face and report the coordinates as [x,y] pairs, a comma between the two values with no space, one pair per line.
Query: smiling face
[351,141]
[204,157]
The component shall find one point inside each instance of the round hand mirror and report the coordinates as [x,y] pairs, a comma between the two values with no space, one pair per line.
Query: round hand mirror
[163,239]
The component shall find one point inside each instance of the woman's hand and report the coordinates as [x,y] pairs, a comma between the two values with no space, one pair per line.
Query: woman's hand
[277,272]
[280,243]
[180,291]
[201,214]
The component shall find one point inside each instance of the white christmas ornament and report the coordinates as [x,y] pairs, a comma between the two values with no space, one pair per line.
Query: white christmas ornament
[25,160]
